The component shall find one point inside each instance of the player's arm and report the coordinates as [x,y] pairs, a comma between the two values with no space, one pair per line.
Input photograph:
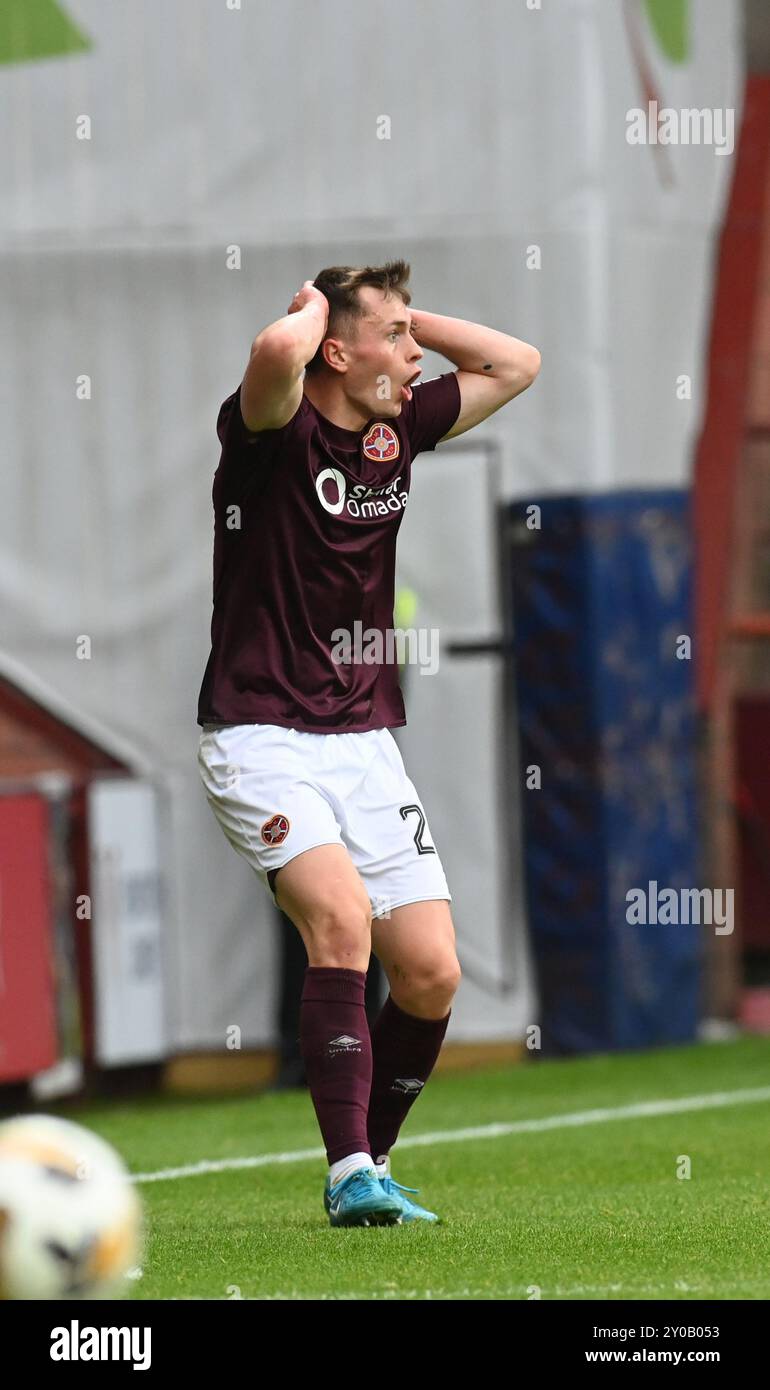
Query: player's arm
[492,367]
[271,389]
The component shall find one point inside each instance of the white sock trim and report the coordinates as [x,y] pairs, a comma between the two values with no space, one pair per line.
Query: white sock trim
[345,1166]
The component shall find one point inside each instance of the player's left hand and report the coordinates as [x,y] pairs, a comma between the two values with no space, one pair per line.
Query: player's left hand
[307,295]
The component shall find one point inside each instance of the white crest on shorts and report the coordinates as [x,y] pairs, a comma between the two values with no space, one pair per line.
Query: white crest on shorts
[275,830]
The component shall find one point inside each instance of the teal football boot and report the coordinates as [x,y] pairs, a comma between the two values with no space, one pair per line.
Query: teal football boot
[360,1200]
[409,1211]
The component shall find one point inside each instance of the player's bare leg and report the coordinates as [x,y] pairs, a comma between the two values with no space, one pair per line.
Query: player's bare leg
[323,895]
[416,948]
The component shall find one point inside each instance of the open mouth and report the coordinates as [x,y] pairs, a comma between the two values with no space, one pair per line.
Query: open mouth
[406,389]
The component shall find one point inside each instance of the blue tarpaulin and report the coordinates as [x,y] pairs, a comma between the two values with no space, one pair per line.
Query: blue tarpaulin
[602,615]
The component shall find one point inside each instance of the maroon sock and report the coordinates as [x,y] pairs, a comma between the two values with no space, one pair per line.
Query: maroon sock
[337,1052]
[404,1052]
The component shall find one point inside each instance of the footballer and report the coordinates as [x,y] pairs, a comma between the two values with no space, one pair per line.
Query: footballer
[296,752]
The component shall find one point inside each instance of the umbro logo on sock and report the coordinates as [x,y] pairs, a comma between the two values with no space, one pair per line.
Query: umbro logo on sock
[344,1043]
[410,1084]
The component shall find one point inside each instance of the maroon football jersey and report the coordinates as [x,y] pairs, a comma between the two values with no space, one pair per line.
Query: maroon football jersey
[305,525]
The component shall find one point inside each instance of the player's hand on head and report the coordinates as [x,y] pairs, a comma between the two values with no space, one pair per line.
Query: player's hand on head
[307,295]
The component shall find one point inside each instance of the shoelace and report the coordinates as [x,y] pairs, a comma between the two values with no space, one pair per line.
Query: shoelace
[401,1185]
[358,1176]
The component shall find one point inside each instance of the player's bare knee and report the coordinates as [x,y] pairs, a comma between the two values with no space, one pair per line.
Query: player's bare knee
[444,975]
[445,984]
[428,993]
[340,932]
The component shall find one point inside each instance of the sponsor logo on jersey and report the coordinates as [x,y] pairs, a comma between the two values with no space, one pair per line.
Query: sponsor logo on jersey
[359,501]
[410,1084]
[275,830]
[344,1043]
[381,444]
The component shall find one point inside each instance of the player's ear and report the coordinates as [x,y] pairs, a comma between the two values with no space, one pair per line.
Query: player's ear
[335,354]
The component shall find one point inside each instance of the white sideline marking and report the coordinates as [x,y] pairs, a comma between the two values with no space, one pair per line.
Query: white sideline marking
[641,1110]
[517,1293]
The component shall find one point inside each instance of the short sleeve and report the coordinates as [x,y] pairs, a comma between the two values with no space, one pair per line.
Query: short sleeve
[432,411]
[244,448]
[232,431]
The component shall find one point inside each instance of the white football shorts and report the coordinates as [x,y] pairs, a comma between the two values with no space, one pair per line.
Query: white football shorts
[277,792]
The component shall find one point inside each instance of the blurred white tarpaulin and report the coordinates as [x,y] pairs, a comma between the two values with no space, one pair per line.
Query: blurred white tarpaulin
[260,129]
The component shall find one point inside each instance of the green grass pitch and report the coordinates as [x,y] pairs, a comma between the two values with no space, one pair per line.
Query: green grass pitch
[566,1211]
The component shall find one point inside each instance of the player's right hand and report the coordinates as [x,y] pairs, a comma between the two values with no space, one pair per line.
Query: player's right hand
[307,295]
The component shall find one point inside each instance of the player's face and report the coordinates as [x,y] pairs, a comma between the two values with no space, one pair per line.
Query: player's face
[383,357]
